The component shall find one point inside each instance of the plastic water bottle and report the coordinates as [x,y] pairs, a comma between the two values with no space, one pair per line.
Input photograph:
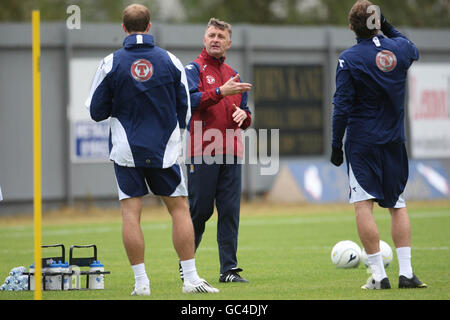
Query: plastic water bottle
[23,282]
[18,284]
[59,277]
[31,277]
[17,271]
[4,287]
[7,284]
[9,280]
[15,287]
[96,281]
[65,277]
[75,283]
[54,281]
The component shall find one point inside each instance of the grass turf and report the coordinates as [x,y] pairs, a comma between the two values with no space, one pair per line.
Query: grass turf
[283,249]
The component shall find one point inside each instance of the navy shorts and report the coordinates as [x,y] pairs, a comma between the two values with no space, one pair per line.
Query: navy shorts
[378,172]
[137,182]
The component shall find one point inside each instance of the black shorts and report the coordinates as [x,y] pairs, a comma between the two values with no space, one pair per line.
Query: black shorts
[137,182]
[378,172]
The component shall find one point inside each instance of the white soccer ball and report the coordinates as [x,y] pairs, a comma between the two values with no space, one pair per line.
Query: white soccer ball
[386,253]
[345,254]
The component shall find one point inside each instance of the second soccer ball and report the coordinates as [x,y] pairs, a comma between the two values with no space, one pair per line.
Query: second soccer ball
[386,253]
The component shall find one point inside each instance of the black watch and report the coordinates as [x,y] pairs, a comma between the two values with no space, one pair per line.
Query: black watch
[218,91]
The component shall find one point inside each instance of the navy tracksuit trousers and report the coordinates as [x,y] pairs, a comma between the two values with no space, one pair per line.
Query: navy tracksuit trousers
[222,183]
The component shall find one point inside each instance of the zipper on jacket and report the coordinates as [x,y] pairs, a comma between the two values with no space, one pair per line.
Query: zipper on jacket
[229,117]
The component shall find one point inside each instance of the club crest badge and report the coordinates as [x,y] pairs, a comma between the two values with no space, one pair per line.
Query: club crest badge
[141,70]
[210,79]
[386,61]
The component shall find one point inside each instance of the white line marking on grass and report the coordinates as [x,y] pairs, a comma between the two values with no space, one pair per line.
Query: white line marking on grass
[431,248]
[303,248]
[16,251]
[330,219]
[25,232]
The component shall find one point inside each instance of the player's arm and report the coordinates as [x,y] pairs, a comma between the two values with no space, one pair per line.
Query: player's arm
[388,29]
[193,78]
[343,100]
[231,87]
[183,99]
[200,99]
[203,99]
[100,99]
[390,32]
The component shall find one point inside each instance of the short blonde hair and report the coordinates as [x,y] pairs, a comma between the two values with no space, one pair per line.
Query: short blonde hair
[136,18]
[219,24]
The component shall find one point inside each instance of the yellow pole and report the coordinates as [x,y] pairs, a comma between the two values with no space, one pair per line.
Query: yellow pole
[37,168]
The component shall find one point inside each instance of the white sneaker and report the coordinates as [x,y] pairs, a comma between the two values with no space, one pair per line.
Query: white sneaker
[376,285]
[143,290]
[199,287]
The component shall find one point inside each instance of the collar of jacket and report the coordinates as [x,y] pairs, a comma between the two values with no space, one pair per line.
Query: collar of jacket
[379,36]
[211,59]
[134,40]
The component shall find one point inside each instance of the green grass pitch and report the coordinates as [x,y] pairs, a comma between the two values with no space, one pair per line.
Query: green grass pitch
[283,249]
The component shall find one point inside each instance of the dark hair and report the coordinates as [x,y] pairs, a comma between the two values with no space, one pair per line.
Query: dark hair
[222,25]
[358,18]
[136,18]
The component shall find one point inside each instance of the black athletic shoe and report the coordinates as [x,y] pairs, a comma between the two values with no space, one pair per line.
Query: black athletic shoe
[414,282]
[376,285]
[232,276]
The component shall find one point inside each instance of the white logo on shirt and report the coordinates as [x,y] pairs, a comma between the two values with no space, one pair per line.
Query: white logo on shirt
[210,79]
[376,41]
[141,70]
[386,61]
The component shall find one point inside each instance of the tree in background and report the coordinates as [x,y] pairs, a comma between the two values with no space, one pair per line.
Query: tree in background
[55,10]
[412,13]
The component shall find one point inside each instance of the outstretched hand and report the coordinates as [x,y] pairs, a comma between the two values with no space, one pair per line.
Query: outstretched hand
[233,86]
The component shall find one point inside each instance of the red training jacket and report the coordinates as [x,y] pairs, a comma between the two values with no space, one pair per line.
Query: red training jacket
[210,110]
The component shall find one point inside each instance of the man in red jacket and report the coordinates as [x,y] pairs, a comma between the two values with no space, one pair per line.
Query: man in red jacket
[215,150]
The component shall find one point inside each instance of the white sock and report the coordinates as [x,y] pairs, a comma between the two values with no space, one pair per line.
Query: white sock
[404,262]
[140,275]
[189,270]
[377,266]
